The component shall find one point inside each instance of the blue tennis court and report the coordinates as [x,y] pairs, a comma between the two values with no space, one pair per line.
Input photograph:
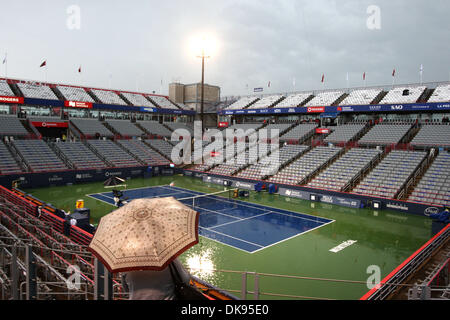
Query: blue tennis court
[243,225]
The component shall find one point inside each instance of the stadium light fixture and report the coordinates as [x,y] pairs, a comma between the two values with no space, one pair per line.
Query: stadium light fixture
[203,46]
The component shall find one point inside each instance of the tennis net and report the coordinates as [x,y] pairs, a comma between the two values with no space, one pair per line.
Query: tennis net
[207,201]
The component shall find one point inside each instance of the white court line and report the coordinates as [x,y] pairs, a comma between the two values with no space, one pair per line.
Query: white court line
[240,220]
[228,236]
[294,236]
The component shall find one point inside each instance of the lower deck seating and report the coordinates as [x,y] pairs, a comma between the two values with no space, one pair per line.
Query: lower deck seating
[299,171]
[342,172]
[8,164]
[391,174]
[143,152]
[38,156]
[113,153]
[434,187]
[80,155]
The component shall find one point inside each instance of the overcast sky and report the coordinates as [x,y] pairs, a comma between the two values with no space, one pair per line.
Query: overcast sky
[137,44]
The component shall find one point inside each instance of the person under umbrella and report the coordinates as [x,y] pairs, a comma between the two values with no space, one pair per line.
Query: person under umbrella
[143,240]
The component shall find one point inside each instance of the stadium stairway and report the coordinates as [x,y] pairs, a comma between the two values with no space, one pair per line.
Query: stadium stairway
[324,167]
[117,134]
[425,95]
[130,153]
[75,132]
[60,155]
[379,97]
[121,96]
[58,93]
[369,170]
[93,96]
[90,147]
[429,161]
[339,100]
[16,90]
[307,100]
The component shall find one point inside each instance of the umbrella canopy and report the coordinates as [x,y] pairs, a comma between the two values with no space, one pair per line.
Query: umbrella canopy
[145,234]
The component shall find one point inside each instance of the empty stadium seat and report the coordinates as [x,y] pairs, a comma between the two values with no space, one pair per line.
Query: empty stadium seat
[391,174]
[434,187]
[90,127]
[341,173]
[403,95]
[5,90]
[38,156]
[108,97]
[113,153]
[75,93]
[432,135]
[34,90]
[79,155]
[300,170]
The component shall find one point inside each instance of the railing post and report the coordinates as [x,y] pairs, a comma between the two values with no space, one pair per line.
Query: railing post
[31,283]
[99,283]
[244,286]
[108,285]
[256,287]
[425,293]
[14,273]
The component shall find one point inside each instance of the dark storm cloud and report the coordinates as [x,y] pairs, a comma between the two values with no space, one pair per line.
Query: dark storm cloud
[138,44]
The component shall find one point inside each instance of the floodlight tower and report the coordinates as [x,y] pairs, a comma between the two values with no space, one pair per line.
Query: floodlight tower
[203,56]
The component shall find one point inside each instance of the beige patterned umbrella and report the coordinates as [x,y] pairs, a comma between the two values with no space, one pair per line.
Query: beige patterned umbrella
[145,234]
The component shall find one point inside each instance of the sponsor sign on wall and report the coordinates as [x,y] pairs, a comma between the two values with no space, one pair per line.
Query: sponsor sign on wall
[78,104]
[6,99]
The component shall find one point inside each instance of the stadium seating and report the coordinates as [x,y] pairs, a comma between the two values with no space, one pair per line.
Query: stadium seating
[163,102]
[143,152]
[5,90]
[245,127]
[269,165]
[441,94]
[361,97]
[391,174]
[38,156]
[154,127]
[125,128]
[178,125]
[108,97]
[266,102]
[243,155]
[242,103]
[8,165]
[294,100]
[300,132]
[432,135]
[434,187]
[300,170]
[345,133]
[326,98]
[90,127]
[346,169]
[385,133]
[75,93]
[113,154]
[276,129]
[137,99]
[80,156]
[11,126]
[33,90]
[162,146]
[403,95]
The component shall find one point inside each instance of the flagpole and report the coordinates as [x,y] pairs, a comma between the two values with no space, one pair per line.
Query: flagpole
[6,65]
